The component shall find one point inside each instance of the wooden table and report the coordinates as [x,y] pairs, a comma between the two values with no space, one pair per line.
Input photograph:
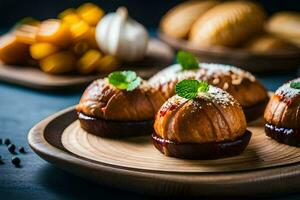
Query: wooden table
[20,109]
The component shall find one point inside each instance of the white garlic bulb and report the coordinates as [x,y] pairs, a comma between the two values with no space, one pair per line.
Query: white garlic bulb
[119,35]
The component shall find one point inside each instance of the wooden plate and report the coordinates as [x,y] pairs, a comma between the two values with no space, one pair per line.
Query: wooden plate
[266,167]
[158,56]
[282,61]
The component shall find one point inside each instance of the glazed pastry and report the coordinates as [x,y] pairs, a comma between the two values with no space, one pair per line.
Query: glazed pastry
[179,20]
[227,24]
[268,43]
[242,85]
[200,122]
[285,25]
[120,105]
[282,114]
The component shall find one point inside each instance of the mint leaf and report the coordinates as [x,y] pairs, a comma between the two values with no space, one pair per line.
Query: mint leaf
[190,89]
[124,80]
[295,84]
[134,84]
[187,60]
[203,87]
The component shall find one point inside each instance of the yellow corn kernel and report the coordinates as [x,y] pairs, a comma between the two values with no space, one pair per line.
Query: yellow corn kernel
[13,51]
[54,31]
[90,13]
[89,62]
[80,48]
[79,30]
[58,63]
[108,64]
[41,50]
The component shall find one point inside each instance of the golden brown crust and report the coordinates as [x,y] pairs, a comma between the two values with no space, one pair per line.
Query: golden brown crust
[285,25]
[211,117]
[283,109]
[240,84]
[178,21]
[227,24]
[266,43]
[102,100]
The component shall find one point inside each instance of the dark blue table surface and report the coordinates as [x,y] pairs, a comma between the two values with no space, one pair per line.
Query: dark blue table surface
[20,109]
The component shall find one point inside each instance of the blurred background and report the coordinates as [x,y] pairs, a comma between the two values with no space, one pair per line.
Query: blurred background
[147,12]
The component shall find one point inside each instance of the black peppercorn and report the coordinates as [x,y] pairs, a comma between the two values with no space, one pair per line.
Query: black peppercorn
[21,149]
[15,161]
[7,141]
[11,148]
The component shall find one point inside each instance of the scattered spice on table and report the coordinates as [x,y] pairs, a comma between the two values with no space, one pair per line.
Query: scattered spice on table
[7,141]
[21,149]
[11,148]
[16,161]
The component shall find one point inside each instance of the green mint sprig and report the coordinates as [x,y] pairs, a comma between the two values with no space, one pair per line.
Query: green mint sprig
[295,84]
[187,60]
[124,80]
[190,89]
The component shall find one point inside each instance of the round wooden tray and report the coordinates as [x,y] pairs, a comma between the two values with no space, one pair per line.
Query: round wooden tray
[281,61]
[266,167]
[158,56]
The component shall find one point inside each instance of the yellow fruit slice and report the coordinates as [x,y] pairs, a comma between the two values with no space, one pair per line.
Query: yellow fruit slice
[41,50]
[80,48]
[108,64]
[54,31]
[90,13]
[58,63]
[89,62]
[12,51]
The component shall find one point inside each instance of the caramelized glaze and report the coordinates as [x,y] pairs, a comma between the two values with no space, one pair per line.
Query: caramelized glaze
[283,109]
[242,85]
[103,101]
[211,117]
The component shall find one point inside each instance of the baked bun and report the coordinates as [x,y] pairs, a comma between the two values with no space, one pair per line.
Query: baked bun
[103,106]
[178,21]
[227,24]
[267,43]
[282,114]
[242,85]
[212,125]
[285,25]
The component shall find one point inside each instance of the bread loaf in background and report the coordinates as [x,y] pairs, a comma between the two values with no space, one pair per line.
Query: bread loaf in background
[178,21]
[285,25]
[227,24]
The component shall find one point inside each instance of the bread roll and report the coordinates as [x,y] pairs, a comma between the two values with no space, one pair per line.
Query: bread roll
[179,20]
[227,24]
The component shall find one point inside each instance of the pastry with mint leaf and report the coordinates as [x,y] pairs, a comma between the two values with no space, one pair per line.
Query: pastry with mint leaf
[120,105]
[200,122]
[282,114]
[242,85]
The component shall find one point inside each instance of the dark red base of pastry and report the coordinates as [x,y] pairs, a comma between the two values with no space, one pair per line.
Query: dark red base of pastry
[287,136]
[254,112]
[113,129]
[211,150]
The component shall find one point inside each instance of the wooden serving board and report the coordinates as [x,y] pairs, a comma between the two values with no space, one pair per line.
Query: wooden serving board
[266,167]
[158,56]
[281,61]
